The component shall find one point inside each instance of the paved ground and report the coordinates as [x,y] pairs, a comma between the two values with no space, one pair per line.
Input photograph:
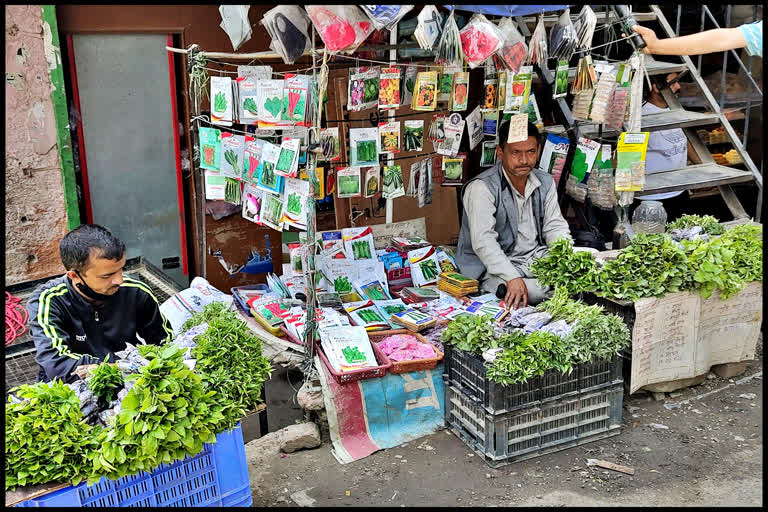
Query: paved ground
[710,455]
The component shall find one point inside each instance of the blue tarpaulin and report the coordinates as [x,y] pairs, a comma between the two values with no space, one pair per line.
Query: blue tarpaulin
[508,10]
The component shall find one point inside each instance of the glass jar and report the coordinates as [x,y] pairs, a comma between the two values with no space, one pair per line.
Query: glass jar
[649,217]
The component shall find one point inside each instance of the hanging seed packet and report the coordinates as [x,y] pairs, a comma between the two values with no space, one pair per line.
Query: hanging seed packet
[408,84]
[363,91]
[453,172]
[288,158]
[248,110]
[412,190]
[454,128]
[413,135]
[518,89]
[475,127]
[320,185]
[561,79]
[295,203]
[553,155]
[488,157]
[446,83]
[348,179]
[269,100]
[252,198]
[425,91]
[490,86]
[295,98]
[389,88]
[419,169]
[256,72]
[393,182]
[252,163]
[272,211]
[214,186]
[490,123]
[502,92]
[221,98]
[389,134]
[532,109]
[358,243]
[437,129]
[233,147]
[584,158]
[630,161]
[372,180]
[459,91]
[364,147]
[427,171]
[210,149]
[424,266]
[329,142]
[268,179]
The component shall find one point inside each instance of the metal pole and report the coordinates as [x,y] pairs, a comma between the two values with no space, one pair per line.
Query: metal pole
[725,58]
[703,8]
[390,115]
[677,26]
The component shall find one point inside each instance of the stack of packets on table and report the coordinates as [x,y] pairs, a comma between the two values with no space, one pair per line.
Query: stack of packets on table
[424,294]
[493,309]
[365,314]
[325,318]
[414,320]
[348,348]
[404,347]
[271,312]
[457,284]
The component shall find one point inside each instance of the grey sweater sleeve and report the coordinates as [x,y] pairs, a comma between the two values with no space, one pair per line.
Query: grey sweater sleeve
[555,226]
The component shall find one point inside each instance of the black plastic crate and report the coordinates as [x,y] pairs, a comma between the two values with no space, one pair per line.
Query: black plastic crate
[537,430]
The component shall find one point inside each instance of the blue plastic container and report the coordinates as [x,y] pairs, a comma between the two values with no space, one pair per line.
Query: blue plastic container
[215,477]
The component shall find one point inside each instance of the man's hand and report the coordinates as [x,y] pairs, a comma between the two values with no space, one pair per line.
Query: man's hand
[82,371]
[649,36]
[517,293]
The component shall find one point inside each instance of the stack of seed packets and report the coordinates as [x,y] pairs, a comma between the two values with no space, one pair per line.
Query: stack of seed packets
[603,94]
[347,348]
[413,320]
[582,100]
[492,309]
[456,284]
[412,294]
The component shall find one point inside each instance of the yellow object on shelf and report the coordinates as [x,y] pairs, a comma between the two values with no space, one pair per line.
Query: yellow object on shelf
[274,330]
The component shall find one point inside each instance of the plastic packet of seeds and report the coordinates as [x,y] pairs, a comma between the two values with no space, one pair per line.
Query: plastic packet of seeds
[449,50]
[288,26]
[562,39]
[513,49]
[537,48]
[584,26]
[385,16]
[341,27]
[480,39]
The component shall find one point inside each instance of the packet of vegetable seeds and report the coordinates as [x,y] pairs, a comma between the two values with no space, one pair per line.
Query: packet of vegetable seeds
[582,101]
[513,50]
[295,204]
[630,161]
[490,86]
[329,141]
[537,47]
[252,198]
[272,211]
[221,100]
[288,158]
[518,90]
[563,39]
[371,289]
[603,94]
[446,261]
[424,266]
[584,158]
[501,97]
[358,243]
[518,128]
[454,128]
[561,79]
[268,179]
[488,157]
[413,135]
[363,91]
[459,91]
[475,127]
[364,147]
[341,27]
[490,123]
[389,88]
[408,84]
[269,100]
[389,135]
[333,245]
[446,82]
[295,89]
[392,182]
[233,147]
[425,91]
[348,182]
[248,110]
[320,176]
[372,180]
[614,119]
[553,155]
[214,186]
[452,172]
[210,149]
[437,129]
[479,40]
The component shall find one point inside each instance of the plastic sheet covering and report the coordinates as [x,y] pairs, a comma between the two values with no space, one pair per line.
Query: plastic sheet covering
[507,10]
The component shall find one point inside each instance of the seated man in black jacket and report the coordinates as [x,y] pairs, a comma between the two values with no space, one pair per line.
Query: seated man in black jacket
[92,311]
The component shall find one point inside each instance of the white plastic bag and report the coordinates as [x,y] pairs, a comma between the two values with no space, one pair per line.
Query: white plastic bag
[562,39]
[584,26]
[449,51]
[179,308]
[537,48]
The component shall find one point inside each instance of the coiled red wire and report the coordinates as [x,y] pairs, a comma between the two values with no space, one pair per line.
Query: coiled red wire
[15,318]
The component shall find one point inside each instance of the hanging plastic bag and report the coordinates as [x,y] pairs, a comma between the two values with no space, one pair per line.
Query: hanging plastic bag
[479,40]
[429,27]
[288,26]
[449,51]
[562,40]
[584,26]
[341,27]
[513,49]
[537,49]
[385,16]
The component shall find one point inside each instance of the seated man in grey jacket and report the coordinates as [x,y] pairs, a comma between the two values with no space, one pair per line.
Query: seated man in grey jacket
[511,217]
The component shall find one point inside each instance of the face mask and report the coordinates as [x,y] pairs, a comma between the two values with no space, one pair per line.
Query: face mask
[90,292]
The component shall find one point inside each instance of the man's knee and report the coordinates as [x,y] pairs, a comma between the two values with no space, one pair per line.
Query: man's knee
[536,292]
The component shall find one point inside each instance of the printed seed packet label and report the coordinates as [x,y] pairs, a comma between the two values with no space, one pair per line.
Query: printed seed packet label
[268,179]
[221,100]
[518,90]
[215,185]
[392,182]
[233,147]
[320,177]
[288,158]
[363,88]
[210,149]
[332,244]
[490,123]
[446,83]
[424,266]
[348,182]
[329,141]
[518,128]
[257,72]
[561,79]
[248,110]
[364,146]
[269,99]
[252,160]
[372,180]
[413,317]
[491,309]
[358,243]
[630,161]
[502,91]
[425,91]
[408,84]
[584,158]
[460,91]
[488,157]
[252,198]
[295,98]
[491,86]
[475,127]
[295,203]
[389,134]
[371,289]
[413,135]
[272,211]
[454,128]
[389,88]
[387,308]
[453,171]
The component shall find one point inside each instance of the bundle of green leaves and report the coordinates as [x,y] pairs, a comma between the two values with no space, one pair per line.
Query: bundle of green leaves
[596,338]
[652,266]
[747,241]
[106,381]
[530,357]
[708,223]
[565,267]
[562,307]
[46,437]
[212,310]
[166,416]
[471,333]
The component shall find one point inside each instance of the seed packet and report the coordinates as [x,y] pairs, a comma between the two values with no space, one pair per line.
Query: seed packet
[341,27]
[488,156]
[413,135]
[329,141]
[295,203]
[407,85]
[372,180]
[269,100]
[614,119]
[252,198]
[446,262]
[289,27]
[490,123]
[584,158]
[295,98]
[389,134]
[561,79]
[449,49]
[446,83]
[368,317]
[532,109]
[364,146]
[459,91]
[248,110]
[437,129]
[453,172]
[553,155]
[424,266]
[490,86]
[492,309]
[348,182]
[272,211]
[320,185]
[602,97]
[252,163]
[582,101]
[363,91]
[387,308]
[479,40]
[233,147]
[257,72]
[513,50]
[475,127]
[501,97]
[268,179]
[288,159]
[454,129]
[210,149]
[371,289]
[425,91]
[630,161]
[214,186]
[358,243]
[518,90]
[389,88]
[393,182]
[221,100]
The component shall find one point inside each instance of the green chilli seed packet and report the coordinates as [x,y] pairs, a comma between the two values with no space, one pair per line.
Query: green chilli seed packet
[210,149]
[233,148]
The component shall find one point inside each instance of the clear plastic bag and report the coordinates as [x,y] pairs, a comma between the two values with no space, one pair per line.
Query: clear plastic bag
[480,39]
[562,39]
[385,16]
[537,48]
[288,26]
[584,26]
[449,51]
[513,49]
[341,27]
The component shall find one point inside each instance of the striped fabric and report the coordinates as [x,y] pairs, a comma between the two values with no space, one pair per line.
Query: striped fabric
[753,34]
[43,319]
[127,281]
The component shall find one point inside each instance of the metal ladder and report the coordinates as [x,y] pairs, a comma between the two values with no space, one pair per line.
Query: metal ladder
[705,175]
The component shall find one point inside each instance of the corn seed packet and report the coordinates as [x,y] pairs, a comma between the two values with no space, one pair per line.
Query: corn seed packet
[210,149]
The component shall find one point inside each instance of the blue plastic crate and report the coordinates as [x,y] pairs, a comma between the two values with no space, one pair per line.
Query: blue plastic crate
[217,476]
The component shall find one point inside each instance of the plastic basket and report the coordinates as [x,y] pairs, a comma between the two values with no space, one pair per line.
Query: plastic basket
[355,375]
[537,430]
[243,300]
[408,366]
[217,476]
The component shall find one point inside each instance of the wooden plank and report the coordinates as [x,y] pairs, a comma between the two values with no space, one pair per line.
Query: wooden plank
[693,177]
[732,202]
[610,465]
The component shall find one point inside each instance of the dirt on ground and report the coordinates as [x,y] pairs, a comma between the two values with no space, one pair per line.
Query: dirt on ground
[709,454]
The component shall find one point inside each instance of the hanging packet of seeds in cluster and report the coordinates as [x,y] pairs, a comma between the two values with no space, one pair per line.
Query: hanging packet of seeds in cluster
[214,186]
[256,72]
[630,161]
[269,99]
[563,38]
[437,129]
[449,50]
[389,135]
[446,81]
[501,96]
[348,182]
[412,190]
[372,180]
[488,156]
[288,158]
[210,149]
[358,243]
[454,128]
[392,182]
[459,91]
[407,84]
[491,88]
[233,147]
[584,158]
[413,135]
[420,172]
[424,266]
[329,142]
[272,211]
[479,40]
[248,110]
[389,88]
[475,127]
[371,289]
[518,90]
[490,123]
[320,176]
[363,89]
[252,198]
[268,179]
[221,100]
[364,147]
[537,47]
[452,172]
[425,91]
[295,203]
[513,49]
[561,79]
[553,155]
[532,109]
[295,89]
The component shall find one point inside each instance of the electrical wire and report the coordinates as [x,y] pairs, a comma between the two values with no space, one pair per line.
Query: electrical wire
[15,318]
